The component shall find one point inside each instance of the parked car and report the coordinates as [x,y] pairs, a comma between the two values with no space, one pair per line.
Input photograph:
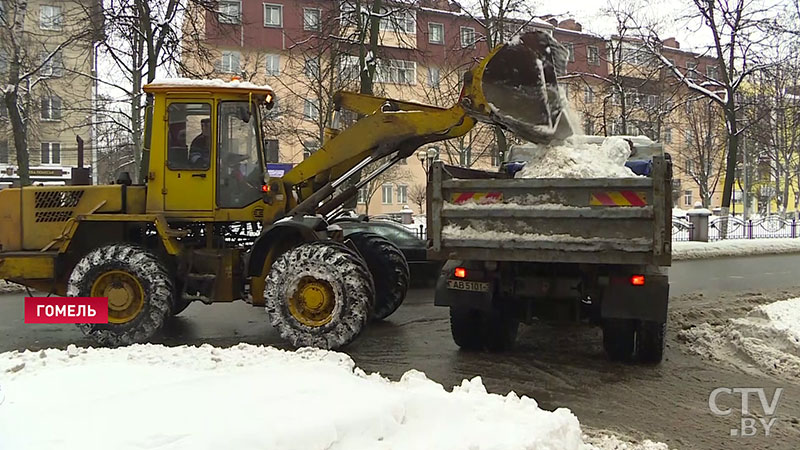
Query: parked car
[414,248]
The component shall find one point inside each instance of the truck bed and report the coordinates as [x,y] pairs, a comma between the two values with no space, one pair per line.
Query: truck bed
[476,215]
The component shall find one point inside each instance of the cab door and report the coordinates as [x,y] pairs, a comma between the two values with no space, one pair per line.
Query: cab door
[188,175]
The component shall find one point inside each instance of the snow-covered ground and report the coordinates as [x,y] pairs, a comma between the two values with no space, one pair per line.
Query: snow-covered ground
[252,397]
[9,288]
[733,247]
[767,339]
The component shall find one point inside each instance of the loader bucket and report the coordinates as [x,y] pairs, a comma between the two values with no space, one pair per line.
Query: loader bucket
[519,83]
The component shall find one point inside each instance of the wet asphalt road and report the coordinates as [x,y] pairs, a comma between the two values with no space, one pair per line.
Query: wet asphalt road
[560,366]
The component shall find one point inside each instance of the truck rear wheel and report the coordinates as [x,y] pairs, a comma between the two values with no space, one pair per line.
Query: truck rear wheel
[389,270]
[138,287]
[319,294]
[474,329]
[619,338]
[650,341]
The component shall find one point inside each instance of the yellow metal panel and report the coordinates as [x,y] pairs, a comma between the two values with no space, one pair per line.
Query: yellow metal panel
[190,190]
[10,220]
[32,266]
[136,199]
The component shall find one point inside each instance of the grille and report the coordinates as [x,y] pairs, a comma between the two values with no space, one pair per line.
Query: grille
[55,206]
[57,199]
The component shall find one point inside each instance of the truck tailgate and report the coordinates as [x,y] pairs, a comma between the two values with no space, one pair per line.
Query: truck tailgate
[597,221]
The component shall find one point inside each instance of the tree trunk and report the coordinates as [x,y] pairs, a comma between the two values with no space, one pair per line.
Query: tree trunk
[368,70]
[20,131]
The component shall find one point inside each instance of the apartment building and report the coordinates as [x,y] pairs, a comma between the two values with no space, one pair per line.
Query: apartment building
[305,50]
[55,46]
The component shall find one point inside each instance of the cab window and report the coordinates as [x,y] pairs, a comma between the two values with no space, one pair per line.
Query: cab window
[189,139]
[240,173]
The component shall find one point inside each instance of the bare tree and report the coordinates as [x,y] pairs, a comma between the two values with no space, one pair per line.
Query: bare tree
[39,49]
[702,152]
[419,196]
[735,29]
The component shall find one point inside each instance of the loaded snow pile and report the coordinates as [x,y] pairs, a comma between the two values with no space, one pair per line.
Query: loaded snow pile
[575,158]
[250,397]
[767,339]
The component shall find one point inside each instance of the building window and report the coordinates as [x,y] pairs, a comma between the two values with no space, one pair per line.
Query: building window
[667,135]
[53,67]
[689,138]
[691,70]
[51,108]
[593,55]
[386,194]
[687,198]
[311,68]
[402,194]
[467,37]
[496,157]
[311,109]
[465,157]
[588,94]
[435,33]
[229,62]
[273,63]
[273,15]
[230,12]
[309,147]
[51,153]
[712,73]
[570,51]
[397,71]
[3,109]
[312,19]
[433,76]
[50,18]
[362,196]
[403,21]
[588,126]
[689,166]
[4,152]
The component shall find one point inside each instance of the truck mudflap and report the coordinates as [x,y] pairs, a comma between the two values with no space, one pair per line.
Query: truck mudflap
[622,299]
[475,290]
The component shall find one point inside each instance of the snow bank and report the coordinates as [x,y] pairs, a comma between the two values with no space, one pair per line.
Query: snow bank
[249,397]
[733,247]
[767,339]
[10,288]
[575,158]
[216,83]
[605,441]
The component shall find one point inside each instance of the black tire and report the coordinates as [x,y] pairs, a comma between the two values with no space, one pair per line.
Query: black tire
[137,264]
[389,270]
[465,325]
[495,331]
[650,341]
[619,339]
[344,277]
[500,330]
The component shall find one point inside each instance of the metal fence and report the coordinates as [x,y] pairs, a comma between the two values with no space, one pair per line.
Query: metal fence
[719,228]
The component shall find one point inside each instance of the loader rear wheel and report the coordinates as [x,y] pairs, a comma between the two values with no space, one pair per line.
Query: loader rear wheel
[389,270]
[138,287]
[319,294]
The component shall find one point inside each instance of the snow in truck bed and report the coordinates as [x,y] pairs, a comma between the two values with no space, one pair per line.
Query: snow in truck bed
[575,158]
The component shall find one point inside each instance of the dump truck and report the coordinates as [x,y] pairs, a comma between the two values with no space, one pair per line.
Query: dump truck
[554,250]
[206,221]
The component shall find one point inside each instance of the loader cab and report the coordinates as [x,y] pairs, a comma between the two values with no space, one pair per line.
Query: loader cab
[206,149]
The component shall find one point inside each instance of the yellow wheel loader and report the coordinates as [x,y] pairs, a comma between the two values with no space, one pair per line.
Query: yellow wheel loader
[208,223]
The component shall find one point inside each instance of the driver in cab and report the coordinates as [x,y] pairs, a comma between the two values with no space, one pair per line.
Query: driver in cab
[200,150]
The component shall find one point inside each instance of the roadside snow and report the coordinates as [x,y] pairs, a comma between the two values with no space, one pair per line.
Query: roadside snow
[250,397]
[733,247]
[575,158]
[766,339]
[10,288]
[603,441]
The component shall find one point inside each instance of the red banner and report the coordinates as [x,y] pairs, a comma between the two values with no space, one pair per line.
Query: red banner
[66,309]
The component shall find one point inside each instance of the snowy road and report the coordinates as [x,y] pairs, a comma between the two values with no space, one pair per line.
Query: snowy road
[559,367]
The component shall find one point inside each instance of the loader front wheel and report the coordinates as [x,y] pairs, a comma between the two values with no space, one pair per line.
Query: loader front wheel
[138,288]
[389,270]
[319,294]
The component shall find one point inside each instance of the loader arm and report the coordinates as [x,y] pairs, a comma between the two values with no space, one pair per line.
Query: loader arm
[514,87]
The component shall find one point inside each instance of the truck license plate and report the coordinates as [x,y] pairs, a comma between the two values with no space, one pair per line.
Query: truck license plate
[463,285]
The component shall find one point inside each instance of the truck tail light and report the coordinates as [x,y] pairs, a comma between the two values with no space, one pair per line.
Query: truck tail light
[461,272]
[637,280]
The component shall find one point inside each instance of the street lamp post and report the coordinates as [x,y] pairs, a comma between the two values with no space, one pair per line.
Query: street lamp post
[426,157]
